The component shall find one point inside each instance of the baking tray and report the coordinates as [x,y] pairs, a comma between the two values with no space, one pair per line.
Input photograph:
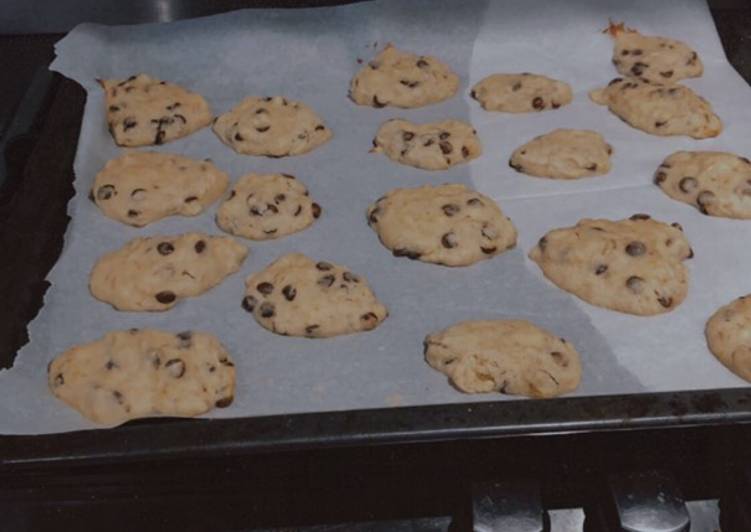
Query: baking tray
[35,238]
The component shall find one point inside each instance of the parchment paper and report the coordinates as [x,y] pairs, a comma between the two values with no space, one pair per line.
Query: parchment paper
[311,55]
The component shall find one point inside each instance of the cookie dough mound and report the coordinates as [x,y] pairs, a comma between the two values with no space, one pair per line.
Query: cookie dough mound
[564,154]
[508,356]
[274,127]
[154,273]
[432,146]
[297,296]
[402,79]
[717,183]
[142,373]
[661,110]
[652,58]
[139,188]
[262,207]
[142,111]
[521,93]
[447,224]
[728,335]
[632,266]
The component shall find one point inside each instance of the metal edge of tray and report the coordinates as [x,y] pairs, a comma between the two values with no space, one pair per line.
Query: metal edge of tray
[178,438]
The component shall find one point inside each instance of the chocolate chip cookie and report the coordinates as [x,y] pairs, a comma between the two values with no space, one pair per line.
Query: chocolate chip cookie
[271,126]
[142,111]
[154,273]
[262,207]
[139,188]
[447,224]
[508,356]
[564,154]
[652,58]
[728,334]
[143,373]
[432,146]
[521,93]
[661,110]
[632,266]
[297,296]
[717,183]
[403,79]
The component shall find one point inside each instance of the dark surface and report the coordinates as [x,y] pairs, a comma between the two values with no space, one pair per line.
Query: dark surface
[329,468]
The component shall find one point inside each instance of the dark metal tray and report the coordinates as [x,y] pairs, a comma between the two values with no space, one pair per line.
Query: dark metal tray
[32,223]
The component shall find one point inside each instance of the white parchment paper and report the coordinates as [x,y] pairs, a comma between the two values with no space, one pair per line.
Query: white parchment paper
[311,55]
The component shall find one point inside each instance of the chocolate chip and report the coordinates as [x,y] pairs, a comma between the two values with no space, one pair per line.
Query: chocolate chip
[129,123]
[165,248]
[59,380]
[316,210]
[474,202]
[118,397]
[660,177]
[407,136]
[638,68]
[516,86]
[449,240]
[327,280]
[624,52]
[370,319]
[745,160]
[665,301]
[422,63]
[175,367]
[592,167]
[269,231]
[298,211]
[239,137]
[272,208]
[266,309]
[105,192]
[265,288]
[310,329]
[190,199]
[249,303]
[559,358]
[640,216]
[410,254]
[224,402]
[660,124]
[692,59]
[636,248]
[261,111]
[133,213]
[450,209]
[704,199]
[232,194]
[446,147]
[110,365]
[555,105]
[320,127]
[280,198]
[538,103]
[289,292]
[224,361]
[667,74]
[429,142]
[350,277]
[688,184]
[636,51]
[542,243]
[91,196]
[488,250]
[138,193]
[473,94]
[601,268]
[465,152]
[635,284]
[263,129]
[165,297]
[114,108]
[690,253]
[410,84]
[324,266]
[181,118]
[200,246]
[373,216]
[677,226]
[614,81]
[185,338]
[515,166]
[377,103]
[159,139]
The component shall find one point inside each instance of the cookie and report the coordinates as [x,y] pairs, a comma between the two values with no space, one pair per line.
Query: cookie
[403,79]
[296,296]
[262,207]
[521,93]
[652,58]
[661,110]
[728,334]
[432,146]
[563,154]
[139,188]
[632,266]
[717,183]
[143,373]
[154,273]
[142,111]
[447,224]
[274,127]
[509,356]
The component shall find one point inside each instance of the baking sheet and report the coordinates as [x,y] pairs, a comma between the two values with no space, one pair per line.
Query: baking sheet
[311,55]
